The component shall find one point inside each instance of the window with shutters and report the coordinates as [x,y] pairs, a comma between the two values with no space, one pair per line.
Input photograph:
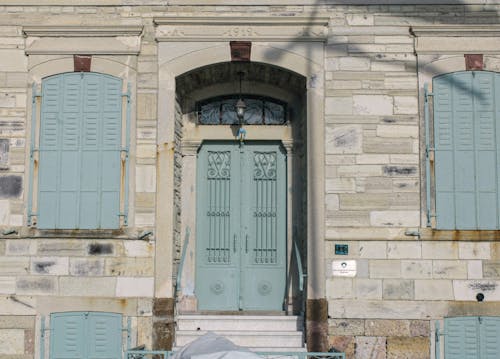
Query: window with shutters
[467,150]
[471,337]
[80,144]
[86,335]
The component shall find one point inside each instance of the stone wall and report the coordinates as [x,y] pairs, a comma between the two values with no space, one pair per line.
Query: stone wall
[377,338]
[17,336]
[374,185]
[43,276]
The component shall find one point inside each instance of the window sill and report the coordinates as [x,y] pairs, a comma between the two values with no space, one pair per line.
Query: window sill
[34,233]
[459,235]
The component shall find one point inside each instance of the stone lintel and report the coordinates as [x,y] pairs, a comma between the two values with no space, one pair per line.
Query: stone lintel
[456,39]
[461,30]
[369,30]
[219,28]
[80,40]
[82,31]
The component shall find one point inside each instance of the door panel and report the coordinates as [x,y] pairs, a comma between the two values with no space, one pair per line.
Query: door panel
[218,222]
[263,223]
[241,228]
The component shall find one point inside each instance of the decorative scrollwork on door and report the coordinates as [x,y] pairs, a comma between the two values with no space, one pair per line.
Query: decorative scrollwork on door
[219,165]
[265,166]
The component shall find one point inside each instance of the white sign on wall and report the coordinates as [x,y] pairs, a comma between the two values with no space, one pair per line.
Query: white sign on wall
[344,268]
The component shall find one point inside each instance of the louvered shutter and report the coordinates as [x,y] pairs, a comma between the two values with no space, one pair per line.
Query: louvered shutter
[49,163]
[86,335]
[80,143]
[110,153]
[67,336]
[104,336]
[461,338]
[490,337]
[465,135]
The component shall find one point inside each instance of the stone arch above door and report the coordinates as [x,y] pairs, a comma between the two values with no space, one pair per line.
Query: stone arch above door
[258,79]
[293,44]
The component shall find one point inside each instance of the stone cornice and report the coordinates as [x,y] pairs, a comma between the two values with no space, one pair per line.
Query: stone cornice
[456,31]
[86,40]
[457,39]
[369,30]
[267,28]
[190,147]
[232,2]
[82,31]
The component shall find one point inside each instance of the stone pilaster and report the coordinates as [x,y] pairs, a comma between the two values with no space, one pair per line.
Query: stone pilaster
[163,323]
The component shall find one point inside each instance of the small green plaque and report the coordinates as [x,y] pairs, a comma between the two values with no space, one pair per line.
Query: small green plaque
[342,249]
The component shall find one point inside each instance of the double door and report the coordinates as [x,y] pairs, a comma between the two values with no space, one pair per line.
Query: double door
[241,226]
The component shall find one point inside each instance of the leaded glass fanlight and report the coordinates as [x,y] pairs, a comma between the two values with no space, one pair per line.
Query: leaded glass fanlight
[259,111]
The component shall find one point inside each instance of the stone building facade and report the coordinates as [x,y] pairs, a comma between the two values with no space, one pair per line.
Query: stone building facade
[388,245]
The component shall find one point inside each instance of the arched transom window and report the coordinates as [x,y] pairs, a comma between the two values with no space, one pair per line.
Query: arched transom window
[259,111]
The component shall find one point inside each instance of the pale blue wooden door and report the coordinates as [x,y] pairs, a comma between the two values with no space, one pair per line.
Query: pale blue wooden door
[263,206]
[467,138]
[80,143]
[218,227]
[241,226]
[86,335]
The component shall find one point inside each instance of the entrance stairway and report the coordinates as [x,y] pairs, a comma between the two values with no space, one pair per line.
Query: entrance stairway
[256,332]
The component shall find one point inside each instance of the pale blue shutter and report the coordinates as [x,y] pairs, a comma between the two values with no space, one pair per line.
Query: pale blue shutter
[466,151]
[86,335]
[490,337]
[69,170]
[111,147]
[50,133]
[67,336]
[461,338]
[80,143]
[486,149]
[443,139]
[104,336]
[100,186]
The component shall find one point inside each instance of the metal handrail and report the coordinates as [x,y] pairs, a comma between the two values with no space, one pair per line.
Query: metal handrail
[183,258]
[142,354]
[302,275]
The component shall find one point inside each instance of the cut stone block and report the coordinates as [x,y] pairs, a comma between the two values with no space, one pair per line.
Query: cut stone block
[134,287]
[435,289]
[398,289]
[344,139]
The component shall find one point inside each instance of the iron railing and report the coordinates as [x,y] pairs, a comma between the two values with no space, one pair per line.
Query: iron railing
[181,263]
[300,271]
[160,354]
[301,355]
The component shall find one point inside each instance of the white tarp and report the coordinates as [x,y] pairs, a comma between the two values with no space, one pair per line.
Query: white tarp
[213,346]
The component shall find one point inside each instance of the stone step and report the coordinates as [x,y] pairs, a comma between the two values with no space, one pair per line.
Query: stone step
[247,338]
[278,349]
[267,349]
[239,322]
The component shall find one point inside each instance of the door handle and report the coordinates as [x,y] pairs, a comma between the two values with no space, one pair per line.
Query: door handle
[246,243]
[234,243]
